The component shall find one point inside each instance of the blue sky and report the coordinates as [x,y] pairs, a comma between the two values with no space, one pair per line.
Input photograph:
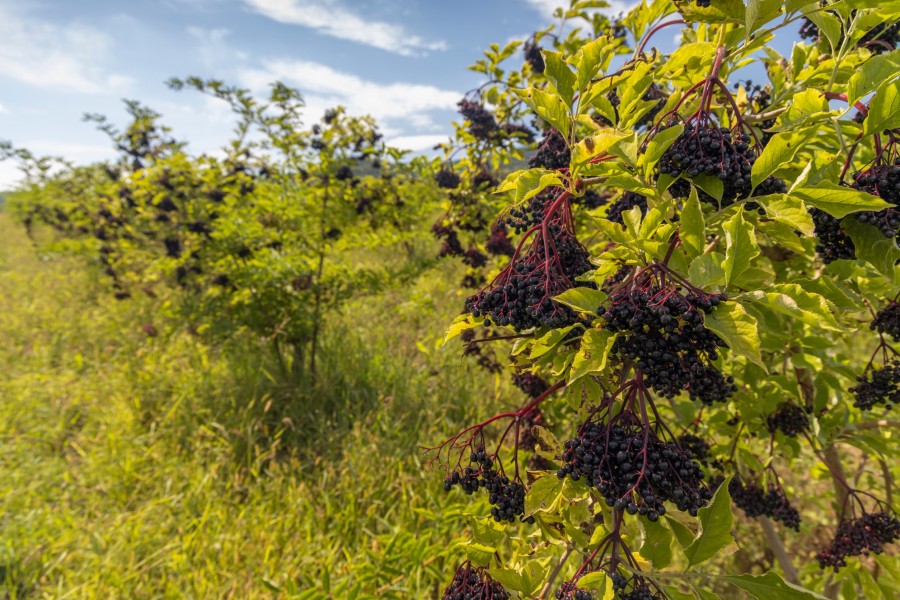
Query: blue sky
[403,61]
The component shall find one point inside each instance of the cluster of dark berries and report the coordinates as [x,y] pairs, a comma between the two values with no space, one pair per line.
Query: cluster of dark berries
[633,588]
[888,320]
[635,470]
[666,338]
[534,57]
[483,179]
[568,591]
[344,173]
[878,386]
[881,38]
[882,181]
[521,296]
[832,242]
[447,179]
[713,151]
[553,153]
[474,257]
[482,123]
[533,385]
[498,243]
[697,446]
[506,497]
[614,280]
[760,99]
[703,3]
[625,203]
[470,583]
[790,419]
[520,132]
[591,200]
[772,503]
[450,244]
[530,213]
[863,536]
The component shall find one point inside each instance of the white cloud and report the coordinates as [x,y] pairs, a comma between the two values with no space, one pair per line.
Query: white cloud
[3,110]
[546,7]
[417,143]
[323,87]
[55,56]
[329,17]
[212,48]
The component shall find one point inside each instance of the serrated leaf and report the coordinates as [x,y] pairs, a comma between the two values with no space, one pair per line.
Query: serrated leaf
[595,145]
[560,75]
[706,270]
[509,579]
[593,355]
[779,151]
[659,144]
[590,59]
[710,184]
[550,107]
[740,247]
[479,554]
[884,109]
[722,11]
[582,299]
[528,183]
[460,324]
[839,201]
[693,226]
[543,494]
[739,330]
[770,586]
[691,57]
[828,25]
[684,535]
[871,246]
[715,533]
[788,210]
[657,547]
[792,300]
[871,74]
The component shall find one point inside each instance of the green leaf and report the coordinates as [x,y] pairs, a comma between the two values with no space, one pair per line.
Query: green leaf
[739,330]
[871,74]
[509,579]
[657,547]
[528,183]
[582,299]
[770,586]
[593,355]
[715,533]
[721,11]
[590,59]
[706,270]
[479,554]
[460,324]
[543,494]
[740,247]
[828,25]
[596,145]
[872,247]
[550,107]
[710,184]
[788,210]
[693,227]
[684,535]
[560,75]
[839,201]
[691,57]
[659,144]
[779,151]
[792,300]
[884,109]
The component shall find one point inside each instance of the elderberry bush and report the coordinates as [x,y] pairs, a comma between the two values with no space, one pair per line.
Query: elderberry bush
[887,321]
[635,470]
[591,200]
[626,202]
[882,181]
[789,419]
[506,497]
[553,153]
[772,503]
[447,179]
[450,244]
[666,338]
[498,243]
[470,583]
[881,38]
[482,124]
[633,588]
[832,242]
[530,383]
[878,386]
[865,535]
[530,213]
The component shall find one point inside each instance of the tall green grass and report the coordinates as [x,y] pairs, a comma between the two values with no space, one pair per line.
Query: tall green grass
[162,467]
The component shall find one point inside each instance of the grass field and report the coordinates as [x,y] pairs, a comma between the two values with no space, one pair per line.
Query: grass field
[140,466]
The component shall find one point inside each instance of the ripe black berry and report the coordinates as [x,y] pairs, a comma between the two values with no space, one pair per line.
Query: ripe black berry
[625,203]
[832,242]
[860,537]
[553,153]
[498,244]
[790,419]
[534,57]
[470,583]
[446,178]
[878,386]
[772,503]
[482,124]
[530,383]
[888,320]
[506,496]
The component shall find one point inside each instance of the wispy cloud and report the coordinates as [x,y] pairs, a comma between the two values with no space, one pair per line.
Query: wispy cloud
[329,17]
[323,87]
[212,47]
[46,55]
[546,7]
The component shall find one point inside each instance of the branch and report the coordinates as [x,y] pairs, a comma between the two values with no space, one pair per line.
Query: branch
[777,546]
[556,571]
